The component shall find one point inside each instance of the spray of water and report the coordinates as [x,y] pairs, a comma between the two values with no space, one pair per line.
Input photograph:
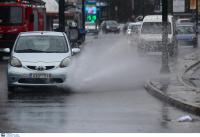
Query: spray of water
[109,64]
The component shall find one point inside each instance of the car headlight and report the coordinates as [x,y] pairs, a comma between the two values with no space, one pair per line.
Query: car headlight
[65,62]
[97,27]
[15,62]
[86,27]
[129,32]
[107,27]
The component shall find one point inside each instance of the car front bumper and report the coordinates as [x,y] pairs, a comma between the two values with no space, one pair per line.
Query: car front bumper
[92,31]
[187,42]
[19,77]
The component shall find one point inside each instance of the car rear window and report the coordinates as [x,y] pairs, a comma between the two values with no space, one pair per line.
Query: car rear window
[154,28]
[49,44]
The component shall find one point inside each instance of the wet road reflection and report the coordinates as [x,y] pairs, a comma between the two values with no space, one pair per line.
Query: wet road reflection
[110,102]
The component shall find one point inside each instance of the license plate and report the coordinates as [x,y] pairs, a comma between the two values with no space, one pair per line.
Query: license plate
[40,76]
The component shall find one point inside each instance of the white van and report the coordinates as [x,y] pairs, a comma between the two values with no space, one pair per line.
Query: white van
[150,35]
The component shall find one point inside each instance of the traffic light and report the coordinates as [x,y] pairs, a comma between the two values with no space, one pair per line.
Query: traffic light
[18,1]
[133,11]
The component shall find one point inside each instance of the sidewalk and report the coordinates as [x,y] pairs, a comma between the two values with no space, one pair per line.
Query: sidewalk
[171,88]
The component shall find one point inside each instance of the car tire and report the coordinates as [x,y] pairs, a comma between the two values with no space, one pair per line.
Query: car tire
[195,45]
[11,89]
[1,58]
[106,32]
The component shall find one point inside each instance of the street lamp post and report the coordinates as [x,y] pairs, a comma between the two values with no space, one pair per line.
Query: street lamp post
[83,15]
[61,16]
[197,14]
[143,9]
[172,6]
[165,68]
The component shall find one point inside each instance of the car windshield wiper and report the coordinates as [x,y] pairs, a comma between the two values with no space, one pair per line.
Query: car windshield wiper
[29,50]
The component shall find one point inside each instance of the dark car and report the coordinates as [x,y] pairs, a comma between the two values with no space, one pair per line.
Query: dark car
[125,27]
[111,26]
[187,35]
[193,20]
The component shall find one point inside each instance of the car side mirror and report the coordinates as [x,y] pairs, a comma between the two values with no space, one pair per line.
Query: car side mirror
[6,50]
[76,50]
[31,17]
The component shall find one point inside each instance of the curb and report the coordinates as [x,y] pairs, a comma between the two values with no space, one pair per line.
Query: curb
[173,101]
[193,65]
[180,79]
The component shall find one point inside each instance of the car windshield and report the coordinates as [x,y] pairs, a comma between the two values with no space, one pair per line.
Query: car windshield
[135,27]
[186,30]
[111,23]
[154,28]
[55,26]
[90,24]
[10,16]
[46,44]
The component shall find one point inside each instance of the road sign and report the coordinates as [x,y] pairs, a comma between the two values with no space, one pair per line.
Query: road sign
[178,5]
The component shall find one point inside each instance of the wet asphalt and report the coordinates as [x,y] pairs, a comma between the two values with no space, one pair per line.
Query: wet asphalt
[104,94]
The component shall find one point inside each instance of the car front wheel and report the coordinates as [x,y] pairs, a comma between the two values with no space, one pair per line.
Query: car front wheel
[195,45]
[11,89]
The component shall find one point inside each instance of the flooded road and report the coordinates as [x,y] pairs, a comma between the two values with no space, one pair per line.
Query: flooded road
[104,93]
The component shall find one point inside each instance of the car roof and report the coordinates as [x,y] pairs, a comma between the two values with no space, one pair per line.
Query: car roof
[155,18]
[136,23]
[35,33]
[184,19]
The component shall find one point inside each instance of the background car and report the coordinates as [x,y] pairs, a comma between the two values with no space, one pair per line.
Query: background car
[55,26]
[111,26]
[125,27]
[187,35]
[91,27]
[149,39]
[132,27]
[184,20]
[39,59]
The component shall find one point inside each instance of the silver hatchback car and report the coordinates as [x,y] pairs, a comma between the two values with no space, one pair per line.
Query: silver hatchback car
[39,59]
